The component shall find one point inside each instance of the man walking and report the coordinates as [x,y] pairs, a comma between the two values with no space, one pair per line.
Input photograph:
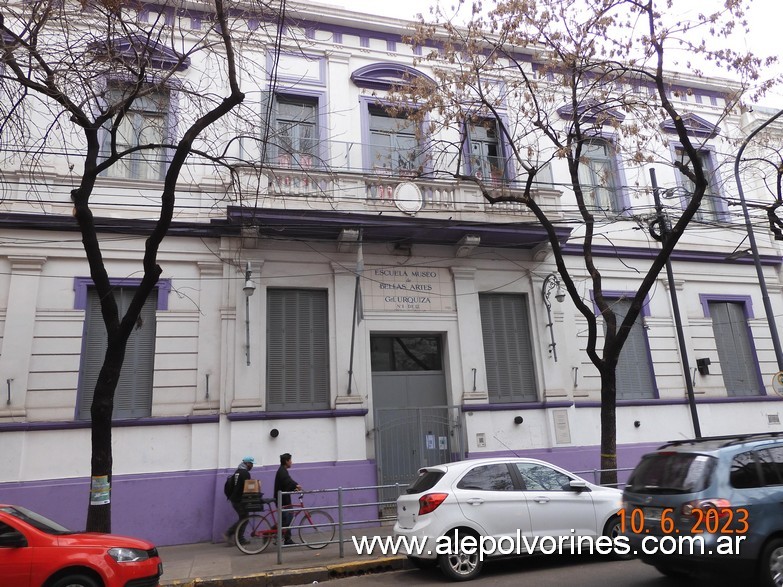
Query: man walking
[284,482]
[241,475]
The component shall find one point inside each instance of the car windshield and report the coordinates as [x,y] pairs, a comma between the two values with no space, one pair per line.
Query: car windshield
[36,520]
[671,473]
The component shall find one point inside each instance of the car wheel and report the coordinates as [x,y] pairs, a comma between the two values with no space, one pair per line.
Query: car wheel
[460,566]
[76,581]
[612,530]
[422,563]
[771,564]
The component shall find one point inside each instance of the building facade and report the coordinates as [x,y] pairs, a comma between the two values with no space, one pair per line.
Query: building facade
[392,319]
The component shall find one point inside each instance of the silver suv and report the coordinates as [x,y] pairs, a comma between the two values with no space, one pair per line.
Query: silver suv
[708,506]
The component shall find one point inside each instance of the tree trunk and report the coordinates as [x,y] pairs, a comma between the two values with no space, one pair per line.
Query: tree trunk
[99,509]
[609,425]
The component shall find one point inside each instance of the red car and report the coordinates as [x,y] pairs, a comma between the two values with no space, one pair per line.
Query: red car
[35,552]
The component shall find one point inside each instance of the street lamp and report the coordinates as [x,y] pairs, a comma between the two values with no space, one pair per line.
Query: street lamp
[552,282]
[249,289]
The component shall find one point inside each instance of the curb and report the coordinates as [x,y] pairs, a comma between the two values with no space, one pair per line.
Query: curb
[299,576]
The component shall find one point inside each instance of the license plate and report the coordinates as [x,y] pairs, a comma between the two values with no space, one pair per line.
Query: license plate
[653,514]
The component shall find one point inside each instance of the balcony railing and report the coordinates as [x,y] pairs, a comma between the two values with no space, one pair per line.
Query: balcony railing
[345,173]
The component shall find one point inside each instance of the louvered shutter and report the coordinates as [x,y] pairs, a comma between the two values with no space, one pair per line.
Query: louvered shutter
[635,376]
[508,353]
[133,395]
[732,337]
[297,349]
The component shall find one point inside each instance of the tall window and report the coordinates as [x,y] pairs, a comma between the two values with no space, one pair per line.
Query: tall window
[144,124]
[635,374]
[296,128]
[133,396]
[297,349]
[738,362]
[508,348]
[486,158]
[711,208]
[598,176]
[394,145]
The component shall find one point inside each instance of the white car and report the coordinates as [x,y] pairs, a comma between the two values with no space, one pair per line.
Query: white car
[504,506]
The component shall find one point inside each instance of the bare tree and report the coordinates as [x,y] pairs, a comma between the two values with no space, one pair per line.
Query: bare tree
[550,80]
[94,83]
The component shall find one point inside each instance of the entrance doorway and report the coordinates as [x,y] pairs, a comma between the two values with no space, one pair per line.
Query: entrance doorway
[414,424]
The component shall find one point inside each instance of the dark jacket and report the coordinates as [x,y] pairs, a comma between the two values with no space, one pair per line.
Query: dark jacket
[283,482]
[240,476]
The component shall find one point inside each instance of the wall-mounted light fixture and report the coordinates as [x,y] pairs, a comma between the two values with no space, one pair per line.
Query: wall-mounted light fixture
[552,283]
[274,433]
[636,423]
[518,419]
[703,365]
[249,288]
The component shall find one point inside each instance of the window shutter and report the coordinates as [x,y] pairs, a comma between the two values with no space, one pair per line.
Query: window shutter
[133,395]
[508,354]
[635,375]
[732,338]
[297,349]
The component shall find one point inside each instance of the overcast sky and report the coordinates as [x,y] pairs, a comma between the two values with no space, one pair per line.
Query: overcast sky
[765,18]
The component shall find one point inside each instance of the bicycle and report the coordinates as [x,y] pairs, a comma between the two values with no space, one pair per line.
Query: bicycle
[315,528]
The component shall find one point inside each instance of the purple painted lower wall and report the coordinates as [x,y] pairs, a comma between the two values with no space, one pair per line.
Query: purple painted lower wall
[186,507]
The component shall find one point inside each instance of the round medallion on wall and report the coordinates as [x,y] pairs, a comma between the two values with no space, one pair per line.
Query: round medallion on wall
[408,198]
[777,382]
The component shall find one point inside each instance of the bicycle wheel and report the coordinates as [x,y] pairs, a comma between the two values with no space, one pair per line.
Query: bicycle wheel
[317,528]
[253,534]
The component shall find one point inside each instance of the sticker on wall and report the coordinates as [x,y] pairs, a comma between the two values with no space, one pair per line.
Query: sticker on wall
[443,443]
[430,442]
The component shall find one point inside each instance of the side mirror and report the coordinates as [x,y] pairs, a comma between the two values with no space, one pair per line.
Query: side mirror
[12,539]
[578,485]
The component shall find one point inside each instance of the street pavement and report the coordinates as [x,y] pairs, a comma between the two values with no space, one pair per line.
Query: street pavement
[222,565]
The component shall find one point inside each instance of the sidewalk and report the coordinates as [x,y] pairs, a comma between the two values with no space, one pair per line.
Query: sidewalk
[221,565]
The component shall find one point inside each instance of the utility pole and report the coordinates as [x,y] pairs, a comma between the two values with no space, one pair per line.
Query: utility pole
[661,234]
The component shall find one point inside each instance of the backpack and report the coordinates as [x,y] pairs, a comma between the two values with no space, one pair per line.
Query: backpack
[228,486]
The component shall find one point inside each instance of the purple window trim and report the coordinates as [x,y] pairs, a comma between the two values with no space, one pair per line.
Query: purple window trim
[747,309]
[746,301]
[293,415]
[297,80]
[80,285]
[364,42]
[708,153]
[384,75]
[391,46]
[514,406]
[337,37]
[78,424]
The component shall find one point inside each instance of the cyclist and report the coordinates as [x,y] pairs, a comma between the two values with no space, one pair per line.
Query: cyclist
[284,482]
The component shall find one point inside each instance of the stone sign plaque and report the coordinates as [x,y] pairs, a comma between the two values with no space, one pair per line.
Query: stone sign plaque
[408,289]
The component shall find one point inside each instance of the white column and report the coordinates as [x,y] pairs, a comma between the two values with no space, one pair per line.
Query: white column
[19,332]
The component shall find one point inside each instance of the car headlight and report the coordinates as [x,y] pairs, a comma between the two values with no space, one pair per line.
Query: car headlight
[128,555]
